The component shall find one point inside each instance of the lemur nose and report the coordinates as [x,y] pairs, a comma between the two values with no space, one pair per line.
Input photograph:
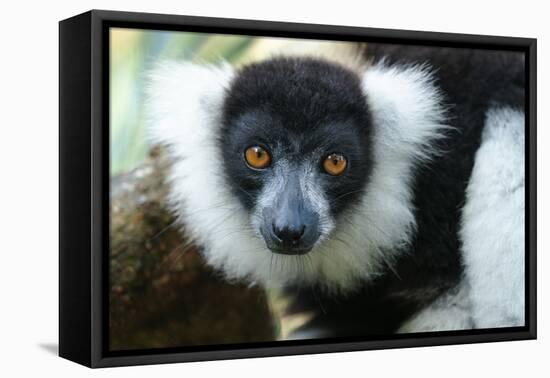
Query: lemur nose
[289,235]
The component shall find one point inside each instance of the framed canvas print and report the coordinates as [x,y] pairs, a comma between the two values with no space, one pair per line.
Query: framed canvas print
[234,188]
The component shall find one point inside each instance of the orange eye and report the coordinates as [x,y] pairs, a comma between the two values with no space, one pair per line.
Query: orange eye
[335,164]
[257,157]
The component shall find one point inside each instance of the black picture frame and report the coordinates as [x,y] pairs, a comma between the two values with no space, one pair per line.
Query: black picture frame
[84,187]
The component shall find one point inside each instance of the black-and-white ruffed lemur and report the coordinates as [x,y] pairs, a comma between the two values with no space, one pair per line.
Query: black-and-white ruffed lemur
[389,199]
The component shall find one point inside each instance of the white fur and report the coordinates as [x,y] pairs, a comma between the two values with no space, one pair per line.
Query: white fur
[185,112]
[493,223]
[449,312]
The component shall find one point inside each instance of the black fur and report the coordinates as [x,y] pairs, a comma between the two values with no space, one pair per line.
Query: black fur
[300,109]
[472,81]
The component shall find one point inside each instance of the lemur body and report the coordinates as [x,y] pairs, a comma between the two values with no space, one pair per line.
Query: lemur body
[344,189]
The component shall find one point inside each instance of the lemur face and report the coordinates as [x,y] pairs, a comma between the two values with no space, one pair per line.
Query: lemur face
[296,148]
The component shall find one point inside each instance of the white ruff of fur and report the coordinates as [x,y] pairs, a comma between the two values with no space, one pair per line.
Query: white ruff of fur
[185,107]
[493,223]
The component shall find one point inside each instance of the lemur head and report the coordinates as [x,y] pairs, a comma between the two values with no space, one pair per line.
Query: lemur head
[295,170]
